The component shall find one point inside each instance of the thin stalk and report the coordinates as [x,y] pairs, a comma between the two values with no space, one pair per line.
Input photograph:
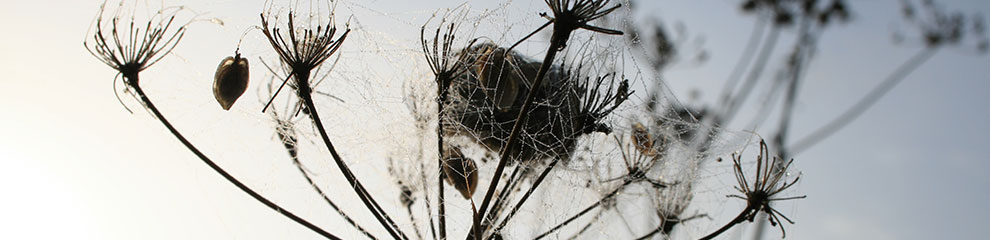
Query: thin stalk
[426,196]
[510,186]
[866,102]
[555,43]
[295,160]
[525,197]
[586,210]
[133,82]
[413,221]
[805,43]
[755,37]
[441,208]
[367,199]
[667,226]
[476,219]
[737,100]
[587,225]
[737,220]
[802,54]
[443,219]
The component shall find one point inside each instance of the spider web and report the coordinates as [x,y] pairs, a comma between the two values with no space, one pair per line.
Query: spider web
[377,99]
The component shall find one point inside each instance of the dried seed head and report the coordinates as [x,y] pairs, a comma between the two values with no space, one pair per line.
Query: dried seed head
[302,49]
[768,182]
[461,171]
[230,81]
[130,46]
[440,55]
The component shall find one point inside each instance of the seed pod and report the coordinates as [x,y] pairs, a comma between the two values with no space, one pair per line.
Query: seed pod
[230,81]
[461,171]
[496,74]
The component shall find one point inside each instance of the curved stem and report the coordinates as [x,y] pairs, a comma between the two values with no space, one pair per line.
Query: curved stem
[737,220]
[306,94]
[754,75]
[755,37]
[865,103]
[133,82]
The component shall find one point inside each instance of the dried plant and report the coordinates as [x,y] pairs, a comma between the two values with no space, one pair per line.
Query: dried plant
[446,65]
[530,114]
[767,183]
[303,53]
[134,51]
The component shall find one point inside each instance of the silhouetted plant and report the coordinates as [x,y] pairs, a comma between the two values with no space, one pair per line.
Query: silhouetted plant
[530,114]
[767,183]
[134,51]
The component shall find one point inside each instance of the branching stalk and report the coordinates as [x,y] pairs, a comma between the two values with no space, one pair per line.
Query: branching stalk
[133,82]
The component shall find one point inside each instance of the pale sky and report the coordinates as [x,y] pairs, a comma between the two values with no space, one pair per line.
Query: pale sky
[77,165]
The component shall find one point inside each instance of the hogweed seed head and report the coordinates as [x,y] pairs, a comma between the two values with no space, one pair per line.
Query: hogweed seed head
[768,182]
[302,49]
[445,63]
[570,15]
[131,47]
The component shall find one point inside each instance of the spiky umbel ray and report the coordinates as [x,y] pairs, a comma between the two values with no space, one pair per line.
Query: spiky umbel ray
[302,53]
[136,50]
[768,182]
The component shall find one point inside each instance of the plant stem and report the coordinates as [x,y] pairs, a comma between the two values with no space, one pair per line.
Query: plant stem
[525,197]
[555,43]
[667,226]
[510,186]
[133,82]
[442,212]
[441,208]
[587,225]
[295,160]
[586,210]
[737,220]
[735,104]
[755,37]
[305,93]
[413,221]
[866,102]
